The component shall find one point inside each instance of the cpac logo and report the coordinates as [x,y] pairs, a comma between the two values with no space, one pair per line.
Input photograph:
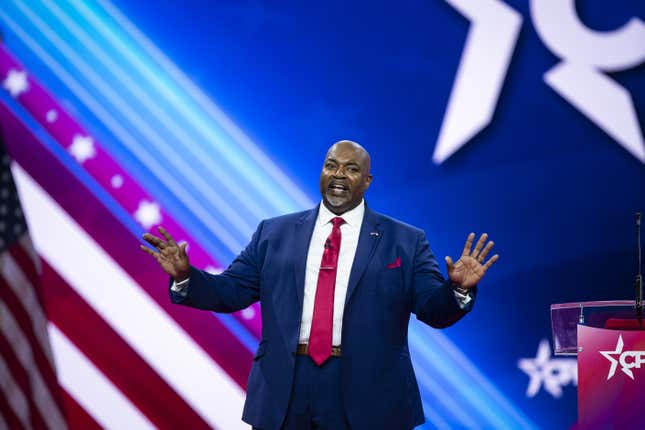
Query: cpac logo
[551,372]
[627,359]
[579,77]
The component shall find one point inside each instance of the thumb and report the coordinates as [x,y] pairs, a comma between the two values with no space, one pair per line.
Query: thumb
[449,263]
[183,247]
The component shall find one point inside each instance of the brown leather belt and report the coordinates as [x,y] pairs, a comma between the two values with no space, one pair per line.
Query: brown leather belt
[302,350]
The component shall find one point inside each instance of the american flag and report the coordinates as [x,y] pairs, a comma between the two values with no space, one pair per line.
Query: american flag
[30,397]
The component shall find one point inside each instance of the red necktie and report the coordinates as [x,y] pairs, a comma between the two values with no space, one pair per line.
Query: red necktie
[322,322]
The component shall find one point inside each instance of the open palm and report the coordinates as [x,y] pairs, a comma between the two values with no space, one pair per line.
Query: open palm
[470,268]
[171,256]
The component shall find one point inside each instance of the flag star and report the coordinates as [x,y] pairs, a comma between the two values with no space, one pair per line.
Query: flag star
[51,115]
[82,148]
[16,82]
[148,213]
[116,181]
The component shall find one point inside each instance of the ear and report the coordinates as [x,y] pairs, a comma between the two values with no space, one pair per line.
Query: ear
[368,181]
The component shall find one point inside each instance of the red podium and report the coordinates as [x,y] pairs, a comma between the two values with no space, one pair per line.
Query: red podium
[610,344]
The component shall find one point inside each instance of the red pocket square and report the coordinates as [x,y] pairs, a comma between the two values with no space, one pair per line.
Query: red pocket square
[397,263]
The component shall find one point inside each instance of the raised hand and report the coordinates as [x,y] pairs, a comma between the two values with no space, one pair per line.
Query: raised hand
[470,268]
[171,257]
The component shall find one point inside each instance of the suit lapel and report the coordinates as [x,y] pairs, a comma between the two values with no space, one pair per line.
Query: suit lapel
[303,230]
[368,240]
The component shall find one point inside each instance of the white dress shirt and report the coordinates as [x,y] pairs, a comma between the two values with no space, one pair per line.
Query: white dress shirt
[349,241]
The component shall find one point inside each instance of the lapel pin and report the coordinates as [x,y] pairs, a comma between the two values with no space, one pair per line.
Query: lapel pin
[374,233]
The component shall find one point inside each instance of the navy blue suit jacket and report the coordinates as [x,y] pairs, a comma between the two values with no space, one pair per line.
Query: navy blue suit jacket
[378,384]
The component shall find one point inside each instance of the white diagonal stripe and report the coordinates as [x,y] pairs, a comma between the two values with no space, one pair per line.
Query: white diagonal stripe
[91,389]
[128,309]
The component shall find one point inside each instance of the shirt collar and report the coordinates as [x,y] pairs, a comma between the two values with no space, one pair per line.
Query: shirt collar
[353,217]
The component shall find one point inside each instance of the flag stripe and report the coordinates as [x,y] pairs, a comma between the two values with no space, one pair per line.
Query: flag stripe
[93,391]
[13,392]
[27,265]
[24,293]
[114,357]
[139,320]
[118,241]
[77,417]
[20,318]
[20,335]
[22,380]
[11,420]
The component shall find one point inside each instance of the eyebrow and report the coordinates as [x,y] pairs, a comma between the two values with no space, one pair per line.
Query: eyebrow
[337,162]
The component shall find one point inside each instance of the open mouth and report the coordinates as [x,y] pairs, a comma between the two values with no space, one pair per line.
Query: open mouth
[338,188]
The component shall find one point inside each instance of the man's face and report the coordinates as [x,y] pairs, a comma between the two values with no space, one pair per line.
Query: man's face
[345,177]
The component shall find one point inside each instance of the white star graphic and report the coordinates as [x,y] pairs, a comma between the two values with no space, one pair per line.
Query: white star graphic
[614,361]
[16,82]
[554,373]
[148,213]
[116,181]
[51,115]
[82,148]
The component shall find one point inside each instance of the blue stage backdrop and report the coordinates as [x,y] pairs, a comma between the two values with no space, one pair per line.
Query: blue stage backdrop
[522,119]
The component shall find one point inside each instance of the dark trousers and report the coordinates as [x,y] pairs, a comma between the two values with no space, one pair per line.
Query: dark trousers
[316,401]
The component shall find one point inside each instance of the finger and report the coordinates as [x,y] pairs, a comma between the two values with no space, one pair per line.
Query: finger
[469,243]
[153,240]
[480,243]
[168,237]
[149,251]
[485,252]
[449,263]
[183,247]
[490,262]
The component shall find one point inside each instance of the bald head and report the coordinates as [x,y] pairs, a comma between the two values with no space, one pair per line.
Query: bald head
[345,176]
[350,145]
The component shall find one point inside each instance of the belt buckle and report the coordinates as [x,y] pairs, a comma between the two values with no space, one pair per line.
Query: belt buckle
[303,349]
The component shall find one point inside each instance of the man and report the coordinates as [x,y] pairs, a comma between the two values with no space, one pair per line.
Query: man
[337,285]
